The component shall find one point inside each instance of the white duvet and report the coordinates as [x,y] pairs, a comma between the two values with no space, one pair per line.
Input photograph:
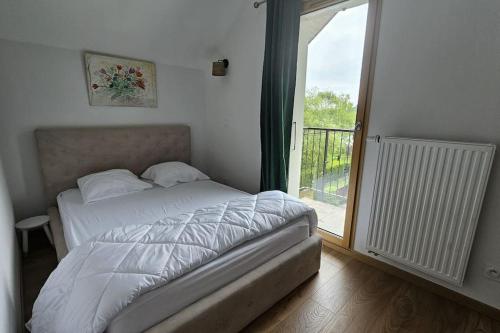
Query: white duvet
[82,222]
[98,279]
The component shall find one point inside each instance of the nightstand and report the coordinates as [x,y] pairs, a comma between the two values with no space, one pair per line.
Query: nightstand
[32,223]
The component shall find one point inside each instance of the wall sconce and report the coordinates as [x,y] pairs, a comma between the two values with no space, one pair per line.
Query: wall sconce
[219,67]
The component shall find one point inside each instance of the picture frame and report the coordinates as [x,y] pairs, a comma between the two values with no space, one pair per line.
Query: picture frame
[119,81]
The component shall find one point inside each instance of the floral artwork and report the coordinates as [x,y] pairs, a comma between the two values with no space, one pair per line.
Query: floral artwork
[116,81]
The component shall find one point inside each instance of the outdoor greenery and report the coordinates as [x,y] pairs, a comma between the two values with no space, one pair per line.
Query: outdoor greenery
[326,154]
[325,109]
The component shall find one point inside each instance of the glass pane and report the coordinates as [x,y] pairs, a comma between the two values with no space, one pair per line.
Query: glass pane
[332,84]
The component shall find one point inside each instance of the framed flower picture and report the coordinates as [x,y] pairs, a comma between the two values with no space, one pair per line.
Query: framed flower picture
[114,81]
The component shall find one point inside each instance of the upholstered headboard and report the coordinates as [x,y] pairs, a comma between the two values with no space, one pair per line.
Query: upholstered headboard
[69,153]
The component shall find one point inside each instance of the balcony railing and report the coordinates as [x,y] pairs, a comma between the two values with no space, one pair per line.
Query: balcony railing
[326,163]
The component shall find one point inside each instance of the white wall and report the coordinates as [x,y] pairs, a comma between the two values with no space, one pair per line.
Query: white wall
[174,32]
[233,103]
[10,308]
[46,86]
[438,76]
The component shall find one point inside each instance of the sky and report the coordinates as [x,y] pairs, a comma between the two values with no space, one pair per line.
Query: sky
[334,56]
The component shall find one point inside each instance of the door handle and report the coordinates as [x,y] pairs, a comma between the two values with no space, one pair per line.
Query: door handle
[358,126]
[294,124]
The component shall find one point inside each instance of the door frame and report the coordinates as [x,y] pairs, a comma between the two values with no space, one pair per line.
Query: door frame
[358,152]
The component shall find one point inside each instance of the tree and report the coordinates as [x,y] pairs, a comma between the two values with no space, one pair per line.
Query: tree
[325,109]
[326,162]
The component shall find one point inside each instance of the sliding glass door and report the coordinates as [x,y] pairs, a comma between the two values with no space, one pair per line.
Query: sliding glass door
[328,117]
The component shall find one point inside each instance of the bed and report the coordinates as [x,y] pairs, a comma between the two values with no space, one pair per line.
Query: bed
[81,222]
[223,295]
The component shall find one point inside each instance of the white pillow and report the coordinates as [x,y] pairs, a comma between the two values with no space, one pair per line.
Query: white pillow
[109,184]
[169,174]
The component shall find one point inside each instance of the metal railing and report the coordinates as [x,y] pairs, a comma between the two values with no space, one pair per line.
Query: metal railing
[326,164]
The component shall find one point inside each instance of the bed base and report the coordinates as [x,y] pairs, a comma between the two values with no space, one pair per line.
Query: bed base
[57,232]
[237,304]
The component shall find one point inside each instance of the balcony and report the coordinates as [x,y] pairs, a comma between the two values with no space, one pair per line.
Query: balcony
[324,174]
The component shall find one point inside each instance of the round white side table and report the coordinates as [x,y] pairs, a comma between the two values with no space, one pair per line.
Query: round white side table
[32,223]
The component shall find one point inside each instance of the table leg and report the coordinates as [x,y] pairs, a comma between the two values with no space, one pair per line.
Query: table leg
[49,235]
[25,241]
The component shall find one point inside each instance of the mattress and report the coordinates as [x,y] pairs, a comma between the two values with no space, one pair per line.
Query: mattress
[158,304]
[83,221]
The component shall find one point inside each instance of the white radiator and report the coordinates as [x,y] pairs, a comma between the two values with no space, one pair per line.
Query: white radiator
[426,203]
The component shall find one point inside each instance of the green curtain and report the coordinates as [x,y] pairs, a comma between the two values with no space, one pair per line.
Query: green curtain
[278,90]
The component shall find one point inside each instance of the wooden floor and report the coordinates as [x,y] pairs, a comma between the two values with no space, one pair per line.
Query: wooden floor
[350,296]
[37,266]
[345,296]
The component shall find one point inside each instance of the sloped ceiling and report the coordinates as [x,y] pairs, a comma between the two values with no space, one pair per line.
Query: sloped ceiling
[176,32]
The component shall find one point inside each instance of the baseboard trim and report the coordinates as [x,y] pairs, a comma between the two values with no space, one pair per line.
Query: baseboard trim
[430,286]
